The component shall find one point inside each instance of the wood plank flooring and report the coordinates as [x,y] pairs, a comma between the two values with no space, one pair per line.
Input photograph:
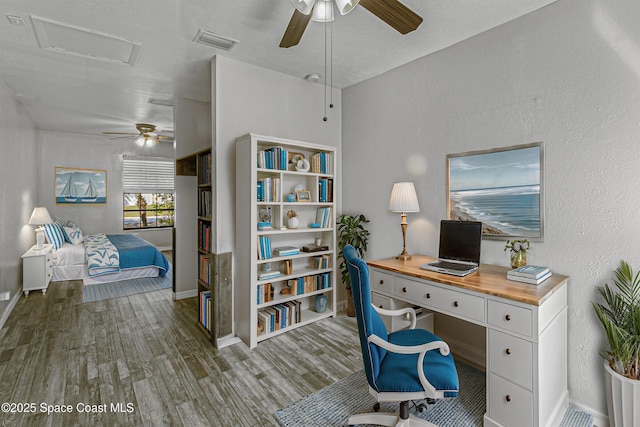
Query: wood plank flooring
[146,354]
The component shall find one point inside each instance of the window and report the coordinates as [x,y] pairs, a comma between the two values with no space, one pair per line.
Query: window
[148,192]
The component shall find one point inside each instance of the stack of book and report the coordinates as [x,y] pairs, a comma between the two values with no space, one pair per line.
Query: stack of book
[531,274]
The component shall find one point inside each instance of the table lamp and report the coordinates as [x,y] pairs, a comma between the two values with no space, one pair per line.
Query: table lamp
[40,216]
[404,199]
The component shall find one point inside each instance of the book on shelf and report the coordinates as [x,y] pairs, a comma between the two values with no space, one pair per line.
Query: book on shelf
[273,158]
[323,217]
[264,225]
[529,271]
[531,281]
[286,250]
[268,275]
[205,309]
[265,293]
[314,248]
[264,247]
[268,190]
[321,262]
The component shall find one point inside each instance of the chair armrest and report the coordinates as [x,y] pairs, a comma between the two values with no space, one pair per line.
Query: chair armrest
[422,349]
[400,312]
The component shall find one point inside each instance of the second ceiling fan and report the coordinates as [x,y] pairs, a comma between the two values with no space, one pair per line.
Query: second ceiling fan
[394,13]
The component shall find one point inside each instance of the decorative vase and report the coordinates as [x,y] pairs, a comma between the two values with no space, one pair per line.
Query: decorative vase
[320,303]
[518,259]
[292,222]
[290,197]
[622,397]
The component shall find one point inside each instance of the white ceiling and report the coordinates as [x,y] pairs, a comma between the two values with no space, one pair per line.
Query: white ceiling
[68,93]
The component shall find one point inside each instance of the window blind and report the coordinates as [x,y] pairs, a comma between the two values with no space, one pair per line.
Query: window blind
[147,175]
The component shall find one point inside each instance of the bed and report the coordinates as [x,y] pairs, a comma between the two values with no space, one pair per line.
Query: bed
[103,258]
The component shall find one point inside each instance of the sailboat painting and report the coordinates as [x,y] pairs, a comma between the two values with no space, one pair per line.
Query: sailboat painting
[80,186]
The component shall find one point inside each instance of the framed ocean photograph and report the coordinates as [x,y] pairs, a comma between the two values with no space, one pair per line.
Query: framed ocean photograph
[75,186]
[501,187]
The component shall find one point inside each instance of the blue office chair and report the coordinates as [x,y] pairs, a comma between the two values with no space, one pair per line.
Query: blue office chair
[405,365]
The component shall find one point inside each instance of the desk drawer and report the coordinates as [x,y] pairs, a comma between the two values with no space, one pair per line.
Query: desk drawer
[381,281]
[509,404]
[450,301]
[510,317]
[511,357]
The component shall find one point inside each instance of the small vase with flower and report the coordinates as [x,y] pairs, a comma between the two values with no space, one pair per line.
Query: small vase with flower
[518,252]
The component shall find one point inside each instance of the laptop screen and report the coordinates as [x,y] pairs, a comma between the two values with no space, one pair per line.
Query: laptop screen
[460,240]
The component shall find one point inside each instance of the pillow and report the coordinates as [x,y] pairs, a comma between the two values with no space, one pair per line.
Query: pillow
[72,224]
[57,221]
[54,234]
[74,235]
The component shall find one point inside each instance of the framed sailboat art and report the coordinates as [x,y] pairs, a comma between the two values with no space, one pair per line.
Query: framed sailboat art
[80,186]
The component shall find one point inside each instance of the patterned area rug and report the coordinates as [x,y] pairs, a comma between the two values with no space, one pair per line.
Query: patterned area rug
[124,288]
[333,405]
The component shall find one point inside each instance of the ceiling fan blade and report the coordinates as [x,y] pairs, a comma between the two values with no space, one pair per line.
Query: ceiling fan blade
[120,133]
[394,13]
[295,29]
[124,137]
[165,138]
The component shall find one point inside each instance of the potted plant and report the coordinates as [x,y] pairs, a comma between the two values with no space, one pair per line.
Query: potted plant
[351,231]
[620,318]
[518,249]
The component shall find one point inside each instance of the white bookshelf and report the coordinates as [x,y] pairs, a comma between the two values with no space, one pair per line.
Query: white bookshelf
[247,262]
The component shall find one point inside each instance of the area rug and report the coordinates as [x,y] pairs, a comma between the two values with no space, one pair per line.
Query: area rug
[124,288]
[333,405]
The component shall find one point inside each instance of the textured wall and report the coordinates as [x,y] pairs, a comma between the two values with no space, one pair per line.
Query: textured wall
[568,75]
[18,191]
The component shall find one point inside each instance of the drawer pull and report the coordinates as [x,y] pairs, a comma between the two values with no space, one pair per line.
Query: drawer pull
[508,351]
[508,398]
[455,303]
[404,289]
[381,282]
[507,317]
[380,306]
[428,295]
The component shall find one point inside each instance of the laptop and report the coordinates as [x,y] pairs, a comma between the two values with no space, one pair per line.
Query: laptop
[459,251]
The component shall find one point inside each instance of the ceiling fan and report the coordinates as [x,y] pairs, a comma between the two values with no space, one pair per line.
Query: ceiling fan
[394,13]
[146,135]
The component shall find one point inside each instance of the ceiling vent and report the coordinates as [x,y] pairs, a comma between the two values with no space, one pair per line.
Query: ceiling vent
[215,40]
[65,38]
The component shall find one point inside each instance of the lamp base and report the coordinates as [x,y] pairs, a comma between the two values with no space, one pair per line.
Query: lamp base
[39,238]
[404,256]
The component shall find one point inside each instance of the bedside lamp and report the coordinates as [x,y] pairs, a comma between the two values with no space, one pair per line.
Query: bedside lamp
[40,216]
[404,199]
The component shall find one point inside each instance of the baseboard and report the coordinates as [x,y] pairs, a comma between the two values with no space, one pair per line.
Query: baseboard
[227,341]
[599,419]
[341,305]
[12,303]
[185,294]
[164,248]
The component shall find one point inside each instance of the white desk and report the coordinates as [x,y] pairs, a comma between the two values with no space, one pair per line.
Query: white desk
[526,332]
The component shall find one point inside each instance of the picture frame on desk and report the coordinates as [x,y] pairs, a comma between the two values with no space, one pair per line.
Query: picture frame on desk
[303,196]
[505,184]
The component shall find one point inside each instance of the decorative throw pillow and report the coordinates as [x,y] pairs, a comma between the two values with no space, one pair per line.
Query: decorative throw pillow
[72,224]
[58,221]
[54,234]
[74,235]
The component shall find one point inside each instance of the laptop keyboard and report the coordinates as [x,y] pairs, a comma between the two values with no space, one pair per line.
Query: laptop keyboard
[453,266]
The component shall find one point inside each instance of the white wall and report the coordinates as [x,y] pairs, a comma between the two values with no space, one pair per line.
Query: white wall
[18,192]
[247,98]
[568,75]
[94,152]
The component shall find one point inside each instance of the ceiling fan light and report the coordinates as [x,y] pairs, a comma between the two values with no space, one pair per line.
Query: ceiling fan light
[304,6]
[346,6]
[323,11]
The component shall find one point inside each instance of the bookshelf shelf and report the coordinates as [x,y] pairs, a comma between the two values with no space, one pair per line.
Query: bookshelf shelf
[265,175]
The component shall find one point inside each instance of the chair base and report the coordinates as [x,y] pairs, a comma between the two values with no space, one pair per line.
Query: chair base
[388,419]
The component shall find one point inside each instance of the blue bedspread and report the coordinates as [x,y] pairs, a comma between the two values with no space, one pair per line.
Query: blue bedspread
[136,252]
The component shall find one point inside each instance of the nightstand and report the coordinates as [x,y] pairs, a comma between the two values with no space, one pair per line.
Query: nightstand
[37,269]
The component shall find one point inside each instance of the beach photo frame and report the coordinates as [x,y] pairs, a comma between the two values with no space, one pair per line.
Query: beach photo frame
[76,186]
[501,187]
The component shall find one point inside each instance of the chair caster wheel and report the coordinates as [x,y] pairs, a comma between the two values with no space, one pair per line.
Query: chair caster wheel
[376,407]
[422,407]
[431,401]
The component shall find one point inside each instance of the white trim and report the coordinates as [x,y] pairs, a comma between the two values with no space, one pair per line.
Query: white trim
[186,294]
[12,303]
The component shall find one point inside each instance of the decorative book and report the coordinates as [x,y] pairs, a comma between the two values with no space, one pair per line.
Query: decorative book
[529,271]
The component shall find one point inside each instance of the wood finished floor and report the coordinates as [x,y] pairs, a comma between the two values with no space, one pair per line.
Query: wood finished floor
[147,350]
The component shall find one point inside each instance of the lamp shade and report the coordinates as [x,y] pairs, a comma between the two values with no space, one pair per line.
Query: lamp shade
[404,198]
[304,6]
[346,6]
[323,11]
[40,216]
